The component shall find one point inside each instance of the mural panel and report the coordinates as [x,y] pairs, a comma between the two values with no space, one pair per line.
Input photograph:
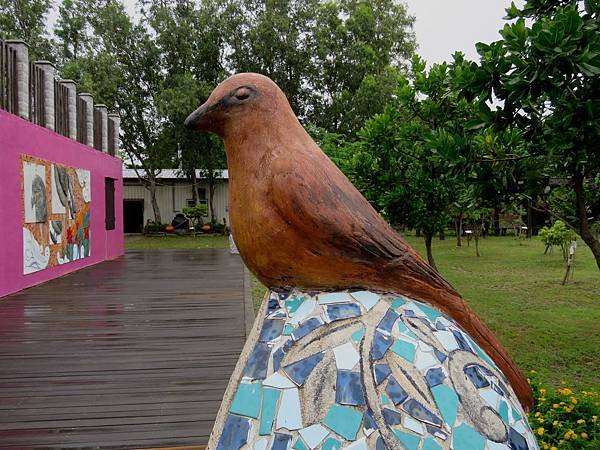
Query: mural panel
[56,213]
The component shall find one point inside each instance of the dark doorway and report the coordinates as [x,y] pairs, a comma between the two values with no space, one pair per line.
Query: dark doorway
[133,216]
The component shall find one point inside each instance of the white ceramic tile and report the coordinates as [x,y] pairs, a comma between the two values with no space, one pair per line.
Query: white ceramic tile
[490,396]
[314,435]
[334,297]
[305,309]
[366,298]
[425,360]
[361,444]
[277,380]
[346,356]
[491,445]
[289,415]
[447,339]
[413,425]
[261,444]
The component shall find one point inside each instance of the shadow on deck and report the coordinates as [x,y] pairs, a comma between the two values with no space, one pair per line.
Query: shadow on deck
[130,353]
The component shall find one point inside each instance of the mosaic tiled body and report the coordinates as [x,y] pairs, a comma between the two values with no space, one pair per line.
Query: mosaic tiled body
[359,370]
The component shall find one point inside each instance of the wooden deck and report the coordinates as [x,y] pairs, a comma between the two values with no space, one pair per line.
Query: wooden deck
[131,353]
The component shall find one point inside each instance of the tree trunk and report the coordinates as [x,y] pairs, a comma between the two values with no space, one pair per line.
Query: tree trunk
[152,188]
[442,236]
[459,230]
[194,187]
[211,195]
[430,260]
[584,226]
[477,243]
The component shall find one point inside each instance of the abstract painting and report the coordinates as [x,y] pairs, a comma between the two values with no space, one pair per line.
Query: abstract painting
[56,214]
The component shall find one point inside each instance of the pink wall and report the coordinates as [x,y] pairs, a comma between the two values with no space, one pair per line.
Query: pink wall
[17,137]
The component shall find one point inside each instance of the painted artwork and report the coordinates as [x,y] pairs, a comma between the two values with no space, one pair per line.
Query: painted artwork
[56,214]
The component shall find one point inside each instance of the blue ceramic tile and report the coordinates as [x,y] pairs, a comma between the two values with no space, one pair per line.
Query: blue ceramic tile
[466,438]
[406,331]
[331,444]
[498,389]
[387,322]
[235,433]
[380,445]
[435,376]
[417,411]
[306,327]
[369,424]
[410,313]
[447,402]
[300,370]
[398,302]
[281,441]
[516,441]
[268,410]
[288,329]
[476,377]
[404,349]
[344,421]
[431,444]
[436,432]
[462,342]
[300,445]
[385,400]
[408,440]
[277,358]
[282,295]
[314,435]
[349,388]
[391,417]
[380,345]
[272,306]
[381,372]
[258,361]
[338,311]
[246,401]
[271,330]
[430,312]
[395,391]
[294,303]
[503,411]
[439,355]
[440,326]
[358,335]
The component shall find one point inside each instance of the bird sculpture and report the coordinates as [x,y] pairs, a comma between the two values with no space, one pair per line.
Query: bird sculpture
[359,343]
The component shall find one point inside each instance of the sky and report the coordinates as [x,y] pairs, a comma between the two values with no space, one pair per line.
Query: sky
[445,26]
[441,26]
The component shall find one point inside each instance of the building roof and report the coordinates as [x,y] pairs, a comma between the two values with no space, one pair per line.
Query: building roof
[171,174]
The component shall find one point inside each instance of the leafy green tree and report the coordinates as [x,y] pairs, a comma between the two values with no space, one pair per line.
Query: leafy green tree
[547,75]
[26,20]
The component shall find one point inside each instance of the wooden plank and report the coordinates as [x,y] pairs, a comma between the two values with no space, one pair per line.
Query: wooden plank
[131,353]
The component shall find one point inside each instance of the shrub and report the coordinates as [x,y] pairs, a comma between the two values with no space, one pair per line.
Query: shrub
[563,419]
[196,213]
[153,227]
[558,234]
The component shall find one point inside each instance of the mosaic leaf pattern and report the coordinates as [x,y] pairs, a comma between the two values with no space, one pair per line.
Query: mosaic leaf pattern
[360,370]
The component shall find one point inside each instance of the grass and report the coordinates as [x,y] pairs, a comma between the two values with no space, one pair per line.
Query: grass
[174,241]
[516,289]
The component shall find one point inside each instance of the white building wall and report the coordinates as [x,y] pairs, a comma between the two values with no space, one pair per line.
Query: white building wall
[172,196]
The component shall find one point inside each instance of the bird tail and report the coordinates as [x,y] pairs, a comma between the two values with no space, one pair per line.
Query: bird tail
[424,283]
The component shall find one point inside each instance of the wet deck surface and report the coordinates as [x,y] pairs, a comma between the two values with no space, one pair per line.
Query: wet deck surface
[130,353]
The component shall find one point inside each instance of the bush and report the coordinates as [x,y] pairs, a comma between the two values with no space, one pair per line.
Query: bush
[154,227]
[565,420]
[196,213]
[558,234]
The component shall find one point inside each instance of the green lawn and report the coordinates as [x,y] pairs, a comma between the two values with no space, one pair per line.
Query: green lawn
[174,241]
[516,289]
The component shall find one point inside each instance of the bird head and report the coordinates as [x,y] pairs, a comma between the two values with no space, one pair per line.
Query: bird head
[237,102]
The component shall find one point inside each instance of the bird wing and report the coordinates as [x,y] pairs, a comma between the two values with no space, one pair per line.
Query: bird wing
[317,199]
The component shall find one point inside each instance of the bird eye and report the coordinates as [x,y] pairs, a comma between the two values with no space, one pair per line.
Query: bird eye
[242,93]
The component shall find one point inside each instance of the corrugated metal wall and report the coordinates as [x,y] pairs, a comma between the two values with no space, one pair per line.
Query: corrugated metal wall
[172,197]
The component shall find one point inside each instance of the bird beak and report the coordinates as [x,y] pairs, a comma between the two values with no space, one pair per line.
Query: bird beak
[196,120]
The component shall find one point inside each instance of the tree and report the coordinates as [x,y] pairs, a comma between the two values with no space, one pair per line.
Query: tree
[410,157]
[547,75]
[26,20]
